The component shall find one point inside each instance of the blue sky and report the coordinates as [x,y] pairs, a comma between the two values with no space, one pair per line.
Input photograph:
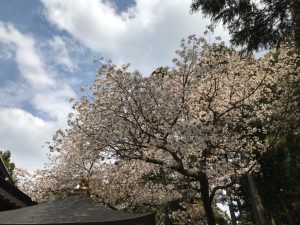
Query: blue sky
[47,52]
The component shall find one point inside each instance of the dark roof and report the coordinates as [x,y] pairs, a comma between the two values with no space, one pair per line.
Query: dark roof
[75,209]
[14,193]
[10,196]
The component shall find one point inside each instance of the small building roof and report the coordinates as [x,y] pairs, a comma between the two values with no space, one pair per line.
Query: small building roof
[10,196]
[75,209]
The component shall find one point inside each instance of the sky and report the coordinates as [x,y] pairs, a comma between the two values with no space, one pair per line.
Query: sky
[48,50]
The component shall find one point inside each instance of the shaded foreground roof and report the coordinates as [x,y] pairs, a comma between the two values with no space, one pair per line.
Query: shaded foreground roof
[10,196]
[75,209]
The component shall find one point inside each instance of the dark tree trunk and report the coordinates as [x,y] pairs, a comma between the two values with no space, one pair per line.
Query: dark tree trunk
[204,189]
[257,207]
[166,219]
[240,208]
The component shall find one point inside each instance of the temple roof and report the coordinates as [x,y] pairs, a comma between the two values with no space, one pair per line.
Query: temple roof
[10,196]
[75,209]
[13,196]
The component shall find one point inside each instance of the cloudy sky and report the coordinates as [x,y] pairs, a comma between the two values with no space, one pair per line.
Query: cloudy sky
[47,52]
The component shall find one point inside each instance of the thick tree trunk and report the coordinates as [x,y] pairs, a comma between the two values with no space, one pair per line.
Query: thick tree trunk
[167,220]
[256,203]
[204,189]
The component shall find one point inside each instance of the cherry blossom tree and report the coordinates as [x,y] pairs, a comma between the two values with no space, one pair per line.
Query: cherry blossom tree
[205,121]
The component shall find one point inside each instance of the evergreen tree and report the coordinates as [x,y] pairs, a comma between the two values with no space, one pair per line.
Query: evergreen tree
[279,183]
[5,156]
[254,24]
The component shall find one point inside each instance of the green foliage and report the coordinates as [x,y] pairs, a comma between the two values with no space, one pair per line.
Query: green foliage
[296,13]
[221,217]
[278,184]
[254,25]
[279,181]
[10,166]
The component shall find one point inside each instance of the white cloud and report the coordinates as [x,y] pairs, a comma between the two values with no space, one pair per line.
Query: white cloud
[146,35]
[22,132]
[29,64]
[55,102]
[61,53]
[14,94]
[45,88]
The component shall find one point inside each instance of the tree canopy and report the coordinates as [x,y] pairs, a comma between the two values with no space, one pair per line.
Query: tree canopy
[192,130]
[255,24]
[5,156]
